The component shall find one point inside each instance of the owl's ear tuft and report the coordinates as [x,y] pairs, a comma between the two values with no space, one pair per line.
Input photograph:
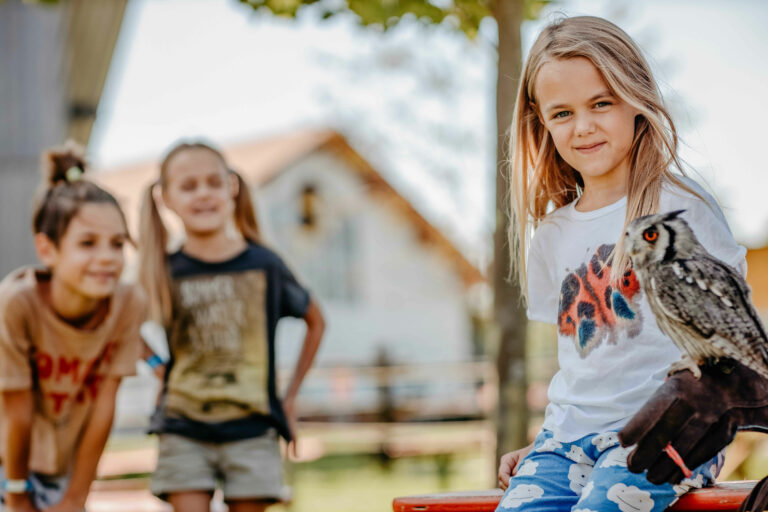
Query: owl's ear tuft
[673,215]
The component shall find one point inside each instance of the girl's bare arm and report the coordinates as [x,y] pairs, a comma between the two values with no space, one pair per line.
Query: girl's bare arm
[94,439]
[315,328]
[18,407]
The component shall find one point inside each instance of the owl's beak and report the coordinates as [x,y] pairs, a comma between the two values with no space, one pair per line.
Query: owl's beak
[631,249]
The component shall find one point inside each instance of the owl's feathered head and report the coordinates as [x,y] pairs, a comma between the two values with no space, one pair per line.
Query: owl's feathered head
[659,238]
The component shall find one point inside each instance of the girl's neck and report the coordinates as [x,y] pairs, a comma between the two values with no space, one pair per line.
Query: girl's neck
[594,198]
[218,246]
[74,308]
[600,191]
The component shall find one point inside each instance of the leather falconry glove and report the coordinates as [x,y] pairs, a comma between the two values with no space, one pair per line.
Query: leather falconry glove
[698,418]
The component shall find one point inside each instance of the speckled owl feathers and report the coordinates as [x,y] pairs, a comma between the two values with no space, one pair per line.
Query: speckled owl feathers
[700,302]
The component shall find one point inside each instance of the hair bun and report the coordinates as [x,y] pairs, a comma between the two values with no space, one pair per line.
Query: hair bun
[63,164]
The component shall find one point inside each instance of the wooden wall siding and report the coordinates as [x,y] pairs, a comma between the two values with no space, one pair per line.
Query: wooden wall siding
[31,117]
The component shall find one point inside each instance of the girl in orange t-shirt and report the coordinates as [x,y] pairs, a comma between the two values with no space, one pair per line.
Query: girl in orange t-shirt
[68,334]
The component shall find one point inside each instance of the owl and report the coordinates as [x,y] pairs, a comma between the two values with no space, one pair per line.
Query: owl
[701,303]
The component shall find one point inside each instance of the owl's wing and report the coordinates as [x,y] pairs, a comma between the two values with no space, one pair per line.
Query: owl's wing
[713,299]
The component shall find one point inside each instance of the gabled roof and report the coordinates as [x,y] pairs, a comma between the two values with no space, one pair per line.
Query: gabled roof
[262,160]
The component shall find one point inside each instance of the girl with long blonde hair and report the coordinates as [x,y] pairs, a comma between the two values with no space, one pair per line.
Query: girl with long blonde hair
[594,148]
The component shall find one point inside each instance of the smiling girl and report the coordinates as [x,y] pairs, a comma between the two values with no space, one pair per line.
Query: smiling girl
[220,298]
[68,334]
[594,148]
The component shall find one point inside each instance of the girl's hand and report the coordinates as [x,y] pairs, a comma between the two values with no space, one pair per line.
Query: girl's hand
[290,416]
[19,503]
[159,372]
[509,463]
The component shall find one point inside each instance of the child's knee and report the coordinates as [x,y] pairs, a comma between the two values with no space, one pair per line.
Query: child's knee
[620,497]
[521,496]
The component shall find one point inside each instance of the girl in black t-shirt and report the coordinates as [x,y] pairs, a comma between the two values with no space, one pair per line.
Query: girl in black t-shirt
[219,298]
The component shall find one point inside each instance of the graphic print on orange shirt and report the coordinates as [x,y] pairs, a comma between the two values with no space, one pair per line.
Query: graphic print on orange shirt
[592,310]
[62,379]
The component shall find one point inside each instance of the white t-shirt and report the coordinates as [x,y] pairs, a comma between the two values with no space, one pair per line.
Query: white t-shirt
[611,353]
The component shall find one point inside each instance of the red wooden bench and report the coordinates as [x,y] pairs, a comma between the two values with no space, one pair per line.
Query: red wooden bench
[723,496]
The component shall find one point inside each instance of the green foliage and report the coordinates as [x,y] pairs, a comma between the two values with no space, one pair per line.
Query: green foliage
[533,8]
[463,15]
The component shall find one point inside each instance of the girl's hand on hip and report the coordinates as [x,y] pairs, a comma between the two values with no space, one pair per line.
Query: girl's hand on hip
[290,416]
[159,372]
[509,463]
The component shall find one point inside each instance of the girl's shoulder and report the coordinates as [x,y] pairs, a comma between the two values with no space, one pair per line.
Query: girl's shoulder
[268,257]
[18,290]
[690,190]
[262,252]
[706,219]
[688,195]
[262,256]
[670,187]
[549,226]
[130,296]
[254,256]
[556,221]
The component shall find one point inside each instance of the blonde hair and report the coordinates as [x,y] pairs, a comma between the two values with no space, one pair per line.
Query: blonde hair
[539,176]
[154,274]
[64,191]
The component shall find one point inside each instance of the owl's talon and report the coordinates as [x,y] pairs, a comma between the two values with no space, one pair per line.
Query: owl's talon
[686,363]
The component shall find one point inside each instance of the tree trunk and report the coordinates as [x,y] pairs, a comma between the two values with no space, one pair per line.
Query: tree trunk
[510,315]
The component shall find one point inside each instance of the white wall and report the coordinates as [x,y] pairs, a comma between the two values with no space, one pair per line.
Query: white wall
[407,297]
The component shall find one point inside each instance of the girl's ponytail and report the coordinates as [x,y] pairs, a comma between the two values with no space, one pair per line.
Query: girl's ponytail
[64,191]
[245,215]
[63,165]
[153,268]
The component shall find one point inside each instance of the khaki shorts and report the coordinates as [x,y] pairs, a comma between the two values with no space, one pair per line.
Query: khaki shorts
[247,469]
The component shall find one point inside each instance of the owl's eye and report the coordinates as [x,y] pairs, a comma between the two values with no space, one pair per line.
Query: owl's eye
[650,235]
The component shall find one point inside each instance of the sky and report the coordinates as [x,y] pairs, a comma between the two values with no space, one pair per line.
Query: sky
[418,102]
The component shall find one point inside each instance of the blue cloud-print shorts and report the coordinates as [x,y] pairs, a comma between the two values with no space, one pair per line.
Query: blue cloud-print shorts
[591,475]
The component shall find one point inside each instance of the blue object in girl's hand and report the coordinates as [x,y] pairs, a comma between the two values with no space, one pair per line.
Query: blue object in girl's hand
[154,361]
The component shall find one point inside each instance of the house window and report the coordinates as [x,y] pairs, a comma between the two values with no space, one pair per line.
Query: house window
[309,206]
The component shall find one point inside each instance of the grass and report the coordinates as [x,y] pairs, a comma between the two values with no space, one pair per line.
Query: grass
[354,483]
[347,481]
